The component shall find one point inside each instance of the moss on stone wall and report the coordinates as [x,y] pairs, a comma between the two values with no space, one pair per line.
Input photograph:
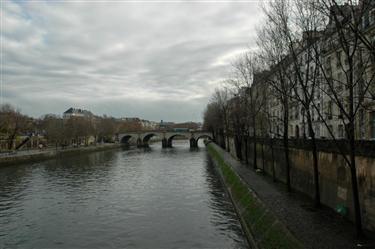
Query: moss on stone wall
[266,231]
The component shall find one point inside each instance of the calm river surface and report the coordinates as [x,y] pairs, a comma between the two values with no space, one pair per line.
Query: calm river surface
[140,198]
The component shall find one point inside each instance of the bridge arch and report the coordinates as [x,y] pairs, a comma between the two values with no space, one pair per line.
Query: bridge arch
[170,139]
[203,136]
[141,138]
[125,139]
[148,136]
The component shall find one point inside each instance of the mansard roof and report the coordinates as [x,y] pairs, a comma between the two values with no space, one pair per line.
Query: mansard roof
[72,110]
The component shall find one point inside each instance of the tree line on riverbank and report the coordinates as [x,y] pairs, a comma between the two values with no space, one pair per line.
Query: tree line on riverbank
[57,131]
[311,76]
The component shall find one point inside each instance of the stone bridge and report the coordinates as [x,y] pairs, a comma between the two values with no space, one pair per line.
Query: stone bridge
[142,138]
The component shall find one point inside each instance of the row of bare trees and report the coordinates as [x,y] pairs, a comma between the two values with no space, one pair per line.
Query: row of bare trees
[58,131]
[313,65]
[12,124]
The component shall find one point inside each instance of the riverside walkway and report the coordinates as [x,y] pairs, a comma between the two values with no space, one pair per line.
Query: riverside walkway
[22,156]
[314,228]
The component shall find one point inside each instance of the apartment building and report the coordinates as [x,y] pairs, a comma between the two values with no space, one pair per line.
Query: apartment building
[315,84]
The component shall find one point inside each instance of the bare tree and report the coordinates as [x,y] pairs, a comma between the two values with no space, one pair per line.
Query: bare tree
[274,53]
[221,98]
[237,122]
[253,99]
[53,127]
[13,123]
[212,120]
[346,63]
[299,24]
[106,128]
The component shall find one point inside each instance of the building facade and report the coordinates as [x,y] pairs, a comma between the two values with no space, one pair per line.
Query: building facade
[324,83]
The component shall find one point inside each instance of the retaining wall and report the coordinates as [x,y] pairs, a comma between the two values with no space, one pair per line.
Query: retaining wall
[334,174]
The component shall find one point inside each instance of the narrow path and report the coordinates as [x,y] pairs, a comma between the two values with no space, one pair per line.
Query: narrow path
[315,228]
[28,152]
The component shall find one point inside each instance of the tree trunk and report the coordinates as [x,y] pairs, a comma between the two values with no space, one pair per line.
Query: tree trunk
[255,146]
[246,150]
[273,161]
[238,147]
[286,149]
[352,152]
[11,139]
[353,172]
[315,162]
[255,153]
[228,146]
[263,154]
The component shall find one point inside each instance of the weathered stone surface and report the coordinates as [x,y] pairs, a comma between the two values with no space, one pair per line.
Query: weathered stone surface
[314,227]
[334,174]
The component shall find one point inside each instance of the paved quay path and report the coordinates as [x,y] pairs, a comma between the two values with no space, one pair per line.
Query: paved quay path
[22,156]
[315,228]
[26,152]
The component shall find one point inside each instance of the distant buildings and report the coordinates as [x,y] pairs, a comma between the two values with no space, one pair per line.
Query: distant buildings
[132,123]
[76,112]
[188,125]
[149,125]
[165,125]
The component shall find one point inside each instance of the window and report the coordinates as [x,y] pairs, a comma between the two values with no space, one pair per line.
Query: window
[297,113]
[330,129]
[365,20]
[329,113]
[317,131]
[372,124]
[291,113]
[318,112]
[297,131]
[340,131]
[362,123]
[313,114]
[341,113]
[338,59]
[328,62]
[372,17]
[339,76]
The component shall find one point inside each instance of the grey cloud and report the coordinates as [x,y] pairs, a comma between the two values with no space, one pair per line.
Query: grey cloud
[153,60]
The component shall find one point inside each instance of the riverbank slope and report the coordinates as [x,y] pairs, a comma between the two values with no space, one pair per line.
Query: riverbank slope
[263,228]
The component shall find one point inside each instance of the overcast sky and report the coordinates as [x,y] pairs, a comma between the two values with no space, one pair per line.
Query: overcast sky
[152,60]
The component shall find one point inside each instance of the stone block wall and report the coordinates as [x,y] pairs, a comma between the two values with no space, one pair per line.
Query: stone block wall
[334,174]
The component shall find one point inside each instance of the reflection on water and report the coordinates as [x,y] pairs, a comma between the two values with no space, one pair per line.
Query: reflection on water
[140,198]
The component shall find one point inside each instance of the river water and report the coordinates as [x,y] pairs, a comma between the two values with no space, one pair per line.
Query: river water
[139,198]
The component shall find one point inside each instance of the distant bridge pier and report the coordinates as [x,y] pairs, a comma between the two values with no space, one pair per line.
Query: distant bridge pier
[164,143]
[193,143]
[169,143]
[140,143]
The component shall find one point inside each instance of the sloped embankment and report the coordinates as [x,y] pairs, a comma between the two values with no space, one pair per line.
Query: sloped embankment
[263,228]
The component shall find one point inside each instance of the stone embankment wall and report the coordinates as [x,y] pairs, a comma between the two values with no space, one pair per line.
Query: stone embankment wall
[334,174]
[262,228]
[35,155]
